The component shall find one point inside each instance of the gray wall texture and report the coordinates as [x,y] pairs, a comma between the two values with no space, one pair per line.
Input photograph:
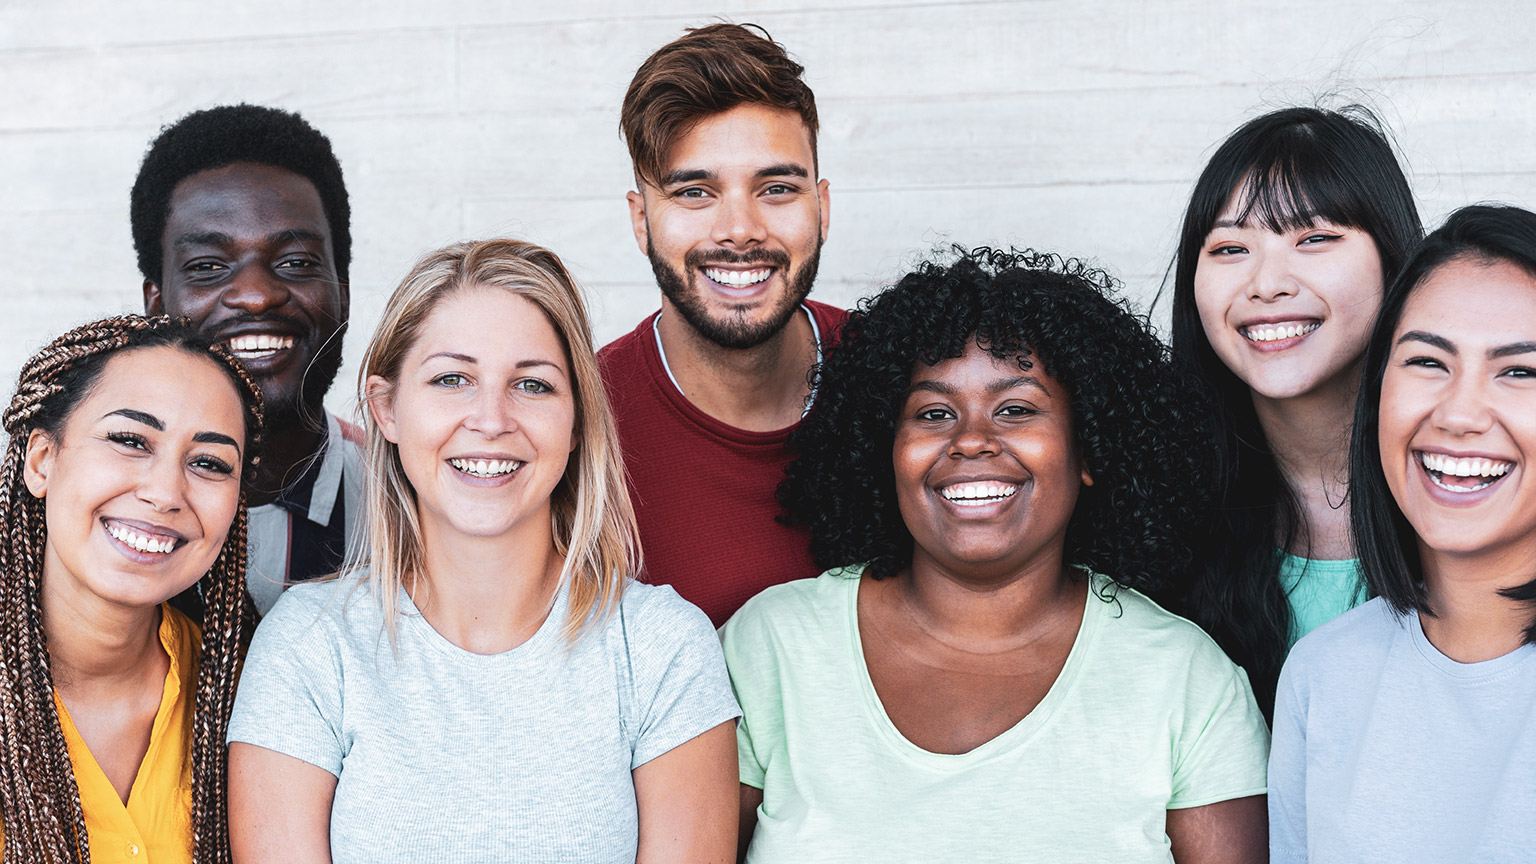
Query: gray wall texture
[1072,126]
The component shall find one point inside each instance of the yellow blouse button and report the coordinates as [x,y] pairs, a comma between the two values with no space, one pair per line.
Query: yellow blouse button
[133,849]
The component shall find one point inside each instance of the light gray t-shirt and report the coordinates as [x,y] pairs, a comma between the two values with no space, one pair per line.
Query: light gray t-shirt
[444,755]
[1386,750]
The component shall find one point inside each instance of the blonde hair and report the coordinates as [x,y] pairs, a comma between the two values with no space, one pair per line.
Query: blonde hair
[590,514]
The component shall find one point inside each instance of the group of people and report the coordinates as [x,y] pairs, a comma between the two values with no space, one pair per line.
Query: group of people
[982,570]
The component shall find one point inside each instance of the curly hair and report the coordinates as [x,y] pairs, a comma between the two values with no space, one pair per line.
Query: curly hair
[1141,433]
[224,135]
[39,799]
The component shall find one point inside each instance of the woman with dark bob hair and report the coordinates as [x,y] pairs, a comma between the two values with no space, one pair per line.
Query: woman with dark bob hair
[129,440]
[1403,729]
[1292,229]
[998,462]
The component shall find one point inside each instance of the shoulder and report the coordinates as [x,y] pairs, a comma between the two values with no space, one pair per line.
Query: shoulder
[829,318]
[1354,636]
[802,613]
[625,348]
[1136,619]
[345,603]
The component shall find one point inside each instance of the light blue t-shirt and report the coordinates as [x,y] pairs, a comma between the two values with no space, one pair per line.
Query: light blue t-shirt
[1319,591]
[447,756]
[1386,750]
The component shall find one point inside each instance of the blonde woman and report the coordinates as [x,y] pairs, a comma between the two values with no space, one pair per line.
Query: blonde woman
[489,684]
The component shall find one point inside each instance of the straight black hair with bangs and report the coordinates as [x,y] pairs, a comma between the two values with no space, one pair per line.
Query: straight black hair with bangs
[1288,169]
[1387,544]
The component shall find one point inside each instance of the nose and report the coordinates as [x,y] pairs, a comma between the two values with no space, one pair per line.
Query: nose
[164,484]
[738,221]
[491,413]
[1464,408]
[974,436]
[254,289]
[1272,278]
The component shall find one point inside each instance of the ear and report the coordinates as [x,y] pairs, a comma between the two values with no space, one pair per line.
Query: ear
[824,193]
[38,464]
[1087,478]
[381,404]
[637,220]
[153,305]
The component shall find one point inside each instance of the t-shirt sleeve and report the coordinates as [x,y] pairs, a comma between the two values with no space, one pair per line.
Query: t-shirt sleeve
[1288,769]
[753,661]
[1222,749]
[681,688]
[289,698]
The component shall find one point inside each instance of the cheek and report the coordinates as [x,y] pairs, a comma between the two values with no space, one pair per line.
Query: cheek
[1212,301]
[1395,425]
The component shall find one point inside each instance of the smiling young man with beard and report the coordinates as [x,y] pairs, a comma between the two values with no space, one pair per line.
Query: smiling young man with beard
[732,215]
[241,223]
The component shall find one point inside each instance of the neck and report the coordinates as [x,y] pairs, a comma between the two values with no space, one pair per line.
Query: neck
[1018,606]
[761,389]
[285,453]
[1309,437]
[489,595]
[1473,622]
[93,643]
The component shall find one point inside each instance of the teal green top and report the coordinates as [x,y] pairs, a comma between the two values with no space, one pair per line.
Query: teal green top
[1319,591]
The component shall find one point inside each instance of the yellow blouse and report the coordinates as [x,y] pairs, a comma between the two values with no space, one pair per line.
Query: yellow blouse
[155,826]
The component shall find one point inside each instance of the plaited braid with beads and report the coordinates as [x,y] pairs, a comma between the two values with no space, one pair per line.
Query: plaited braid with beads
[39,799]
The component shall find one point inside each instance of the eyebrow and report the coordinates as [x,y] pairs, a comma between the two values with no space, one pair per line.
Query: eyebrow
[154,423]
[465,358]
[693,175]
[998,386]
[219,238]
[1445,345]
[215,438]
[149,420]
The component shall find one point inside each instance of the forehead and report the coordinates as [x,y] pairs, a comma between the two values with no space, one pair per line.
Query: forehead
[979,367]
[246,201]
[490,324]
[1476,299]
[183,389]
[749,136]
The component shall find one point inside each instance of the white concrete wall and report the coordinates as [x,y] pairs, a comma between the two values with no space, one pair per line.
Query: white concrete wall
[1075,126]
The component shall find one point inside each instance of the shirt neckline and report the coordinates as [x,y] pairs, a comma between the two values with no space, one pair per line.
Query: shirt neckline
[1008,740]
[532,648]
[661,353]
[1470,672]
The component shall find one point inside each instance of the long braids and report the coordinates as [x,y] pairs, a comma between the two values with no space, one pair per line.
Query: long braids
[39,799]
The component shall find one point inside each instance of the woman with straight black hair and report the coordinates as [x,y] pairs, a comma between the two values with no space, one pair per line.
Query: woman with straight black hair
[1292,229]
[1404,729]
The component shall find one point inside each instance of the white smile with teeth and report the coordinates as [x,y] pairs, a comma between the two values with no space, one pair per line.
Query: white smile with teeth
[486,467]
[978,493]
[138,541]
[1270,333]
[259,345]
[737,278]
[1475,466]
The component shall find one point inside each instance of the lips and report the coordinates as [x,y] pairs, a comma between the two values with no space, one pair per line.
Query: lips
[485,468]
[1278,331]
[143,538]
[1463,475]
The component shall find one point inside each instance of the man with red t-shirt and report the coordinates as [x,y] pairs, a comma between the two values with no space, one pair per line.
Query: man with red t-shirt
[732,215]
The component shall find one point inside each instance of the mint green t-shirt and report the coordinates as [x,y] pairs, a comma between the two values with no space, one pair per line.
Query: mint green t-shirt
[1319,591]
[1147,715]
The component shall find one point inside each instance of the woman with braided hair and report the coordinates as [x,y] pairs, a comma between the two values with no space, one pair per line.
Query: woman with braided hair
[129,438]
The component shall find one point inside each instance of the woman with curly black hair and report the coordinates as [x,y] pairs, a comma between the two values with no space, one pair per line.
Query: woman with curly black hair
[999,461]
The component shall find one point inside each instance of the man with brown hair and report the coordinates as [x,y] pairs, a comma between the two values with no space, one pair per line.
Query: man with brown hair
[732,215]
